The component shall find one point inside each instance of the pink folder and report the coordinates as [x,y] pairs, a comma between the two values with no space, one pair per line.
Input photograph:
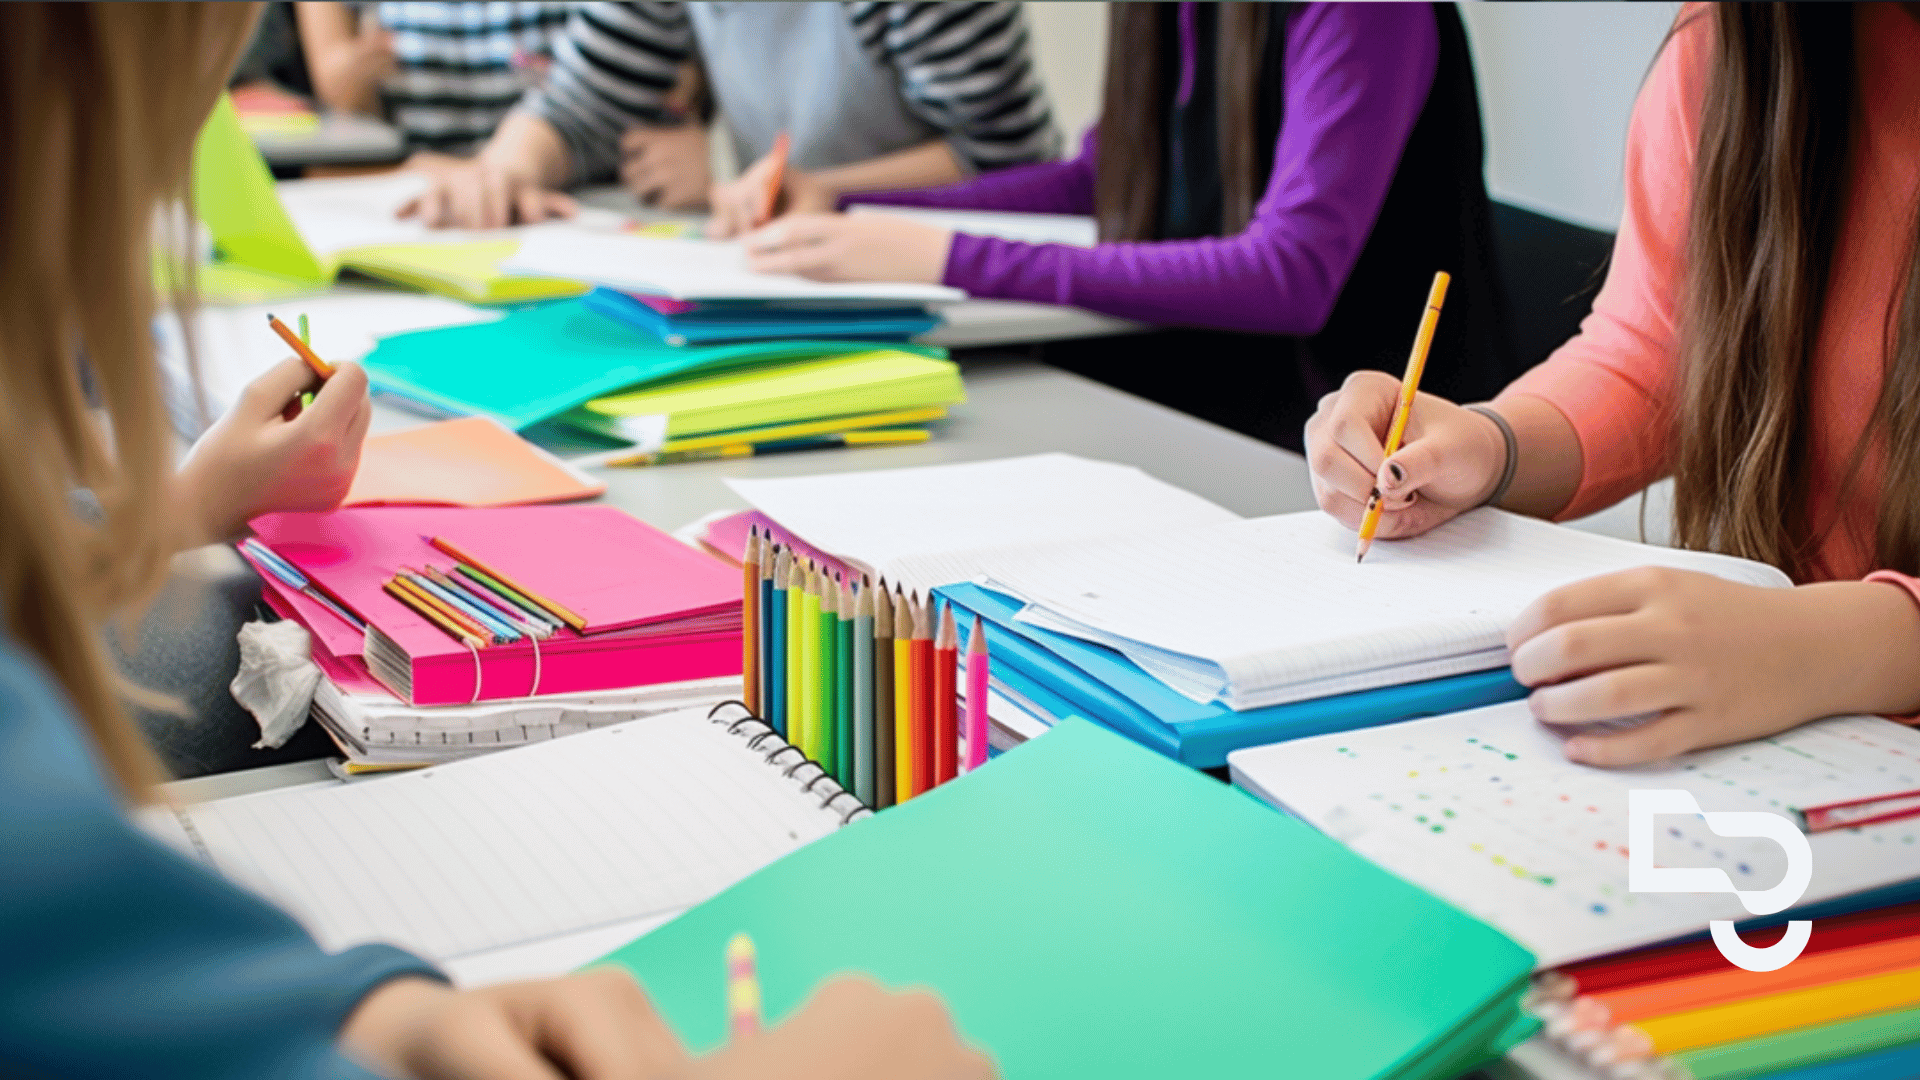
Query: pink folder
[656,610]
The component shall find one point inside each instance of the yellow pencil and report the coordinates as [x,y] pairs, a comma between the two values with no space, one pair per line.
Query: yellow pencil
[902,697]
[1766,1015]
[1409,386]
[426,611]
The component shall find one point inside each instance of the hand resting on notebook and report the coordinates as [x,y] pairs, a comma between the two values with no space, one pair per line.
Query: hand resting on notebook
[267,454]
[601,1026]
[1711,661]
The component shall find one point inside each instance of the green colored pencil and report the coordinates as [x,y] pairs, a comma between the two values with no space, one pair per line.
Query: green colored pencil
[809,657]
[862,665]
[826,648]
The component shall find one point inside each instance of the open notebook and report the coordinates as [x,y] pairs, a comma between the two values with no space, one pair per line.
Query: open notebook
[1483,809]
[1272,610]
[588,831]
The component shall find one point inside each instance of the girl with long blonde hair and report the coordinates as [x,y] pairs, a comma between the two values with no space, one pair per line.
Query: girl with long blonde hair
[123,958]
[1757,339]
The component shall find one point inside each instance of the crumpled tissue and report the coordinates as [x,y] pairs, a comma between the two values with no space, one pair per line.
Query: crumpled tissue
[276,679]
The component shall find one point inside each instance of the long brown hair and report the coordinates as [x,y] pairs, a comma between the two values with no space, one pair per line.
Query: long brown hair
[1768,198]
[99,104]
[1126,187]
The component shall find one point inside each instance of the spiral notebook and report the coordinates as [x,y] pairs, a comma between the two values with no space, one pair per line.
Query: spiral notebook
[594,830]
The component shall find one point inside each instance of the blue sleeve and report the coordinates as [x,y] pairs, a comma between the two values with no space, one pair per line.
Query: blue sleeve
[123,958]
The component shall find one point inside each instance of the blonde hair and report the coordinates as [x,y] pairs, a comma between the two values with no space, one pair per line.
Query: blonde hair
[99,106]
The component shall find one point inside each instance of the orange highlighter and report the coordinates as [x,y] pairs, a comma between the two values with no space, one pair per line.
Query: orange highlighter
[776,180]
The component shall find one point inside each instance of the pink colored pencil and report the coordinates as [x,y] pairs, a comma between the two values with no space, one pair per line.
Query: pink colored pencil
[977,696]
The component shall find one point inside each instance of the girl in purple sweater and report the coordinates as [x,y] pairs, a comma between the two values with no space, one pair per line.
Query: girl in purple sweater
[1281,179]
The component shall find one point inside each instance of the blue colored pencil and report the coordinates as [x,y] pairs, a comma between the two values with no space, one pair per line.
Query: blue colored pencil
[490,603]
[777,644]
[763,614]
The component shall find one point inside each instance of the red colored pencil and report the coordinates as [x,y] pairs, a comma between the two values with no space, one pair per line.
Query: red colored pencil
[923,680]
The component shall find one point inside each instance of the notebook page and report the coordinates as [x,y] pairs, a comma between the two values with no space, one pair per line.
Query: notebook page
[1251,611]
[1483,809]
[610,825]
[933,525]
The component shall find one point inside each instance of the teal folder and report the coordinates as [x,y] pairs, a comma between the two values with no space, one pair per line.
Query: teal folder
[1088,908]
[538,362]
[1071,677]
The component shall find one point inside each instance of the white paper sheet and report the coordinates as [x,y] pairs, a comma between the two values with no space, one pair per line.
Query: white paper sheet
[1483,809]
[1071,229]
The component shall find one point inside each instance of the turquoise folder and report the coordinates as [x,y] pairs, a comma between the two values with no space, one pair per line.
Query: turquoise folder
[1070,677]
[538,362]
[1087,908]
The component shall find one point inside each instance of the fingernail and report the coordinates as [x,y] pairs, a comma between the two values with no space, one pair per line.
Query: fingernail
[1399,474]
[1577,750]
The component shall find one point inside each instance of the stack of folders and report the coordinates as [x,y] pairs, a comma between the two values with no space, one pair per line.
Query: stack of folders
[1148,922]
[694,322]
[460,606]
[1116,597]
[1483,810]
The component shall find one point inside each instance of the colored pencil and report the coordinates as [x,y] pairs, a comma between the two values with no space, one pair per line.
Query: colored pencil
[808,700]
[977,663]
[776,595]
[498,630]
[862,666]
[796,608]
[420,607]
[776,180]
[1767,1015]
[743,988]
[1698,957]
[1843,1040]
[843,684]
[320,367]
[1409,386]
[465,622]
[826,676]
[564,614]
[884,773]
[839,440]
[531,610]
[769,552]
[750,623]
[489,603]
[1632,1004]
[923,679]
[903,683]
[946,699]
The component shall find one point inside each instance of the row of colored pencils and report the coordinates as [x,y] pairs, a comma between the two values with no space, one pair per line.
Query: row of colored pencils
[1854,989]
[476,604]
[862,680]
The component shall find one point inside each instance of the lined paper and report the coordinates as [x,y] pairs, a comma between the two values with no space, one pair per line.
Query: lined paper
[1275,609]
[611,825]
[1483,809]
[942,524]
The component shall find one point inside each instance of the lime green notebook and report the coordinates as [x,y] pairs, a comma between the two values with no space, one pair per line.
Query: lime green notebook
[1089,908]
[233,193]
[873,380]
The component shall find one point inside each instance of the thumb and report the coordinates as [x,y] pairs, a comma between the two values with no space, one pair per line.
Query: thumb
[1414,466]
[270,391]
[339,399]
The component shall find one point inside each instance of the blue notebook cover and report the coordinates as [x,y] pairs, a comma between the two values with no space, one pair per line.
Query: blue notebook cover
[538,362]
[742,322]
[1067,676]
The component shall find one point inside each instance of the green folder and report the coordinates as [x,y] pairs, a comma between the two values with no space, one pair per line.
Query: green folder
[538,362]
[1088,908]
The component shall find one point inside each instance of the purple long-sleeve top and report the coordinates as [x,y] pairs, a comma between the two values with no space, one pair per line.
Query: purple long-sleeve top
[1356,79]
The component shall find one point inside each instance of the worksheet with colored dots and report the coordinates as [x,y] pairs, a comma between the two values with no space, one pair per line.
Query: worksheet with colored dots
[1483,809]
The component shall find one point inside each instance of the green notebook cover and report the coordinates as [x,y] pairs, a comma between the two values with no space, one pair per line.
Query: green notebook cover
[1088,908]
[541,361]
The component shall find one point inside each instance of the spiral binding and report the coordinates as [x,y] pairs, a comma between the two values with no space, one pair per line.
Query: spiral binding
[760,734]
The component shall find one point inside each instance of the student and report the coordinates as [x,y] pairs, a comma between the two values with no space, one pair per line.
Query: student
[872,95]
[124,958]
[1286,178]
[1758,339]
[445,74]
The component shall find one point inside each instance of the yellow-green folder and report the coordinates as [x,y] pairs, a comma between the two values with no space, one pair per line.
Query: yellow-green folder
[1088,908]
[233,193]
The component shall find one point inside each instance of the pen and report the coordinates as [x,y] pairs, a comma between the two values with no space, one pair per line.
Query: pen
[320,367]
[1409,386]
[270,561]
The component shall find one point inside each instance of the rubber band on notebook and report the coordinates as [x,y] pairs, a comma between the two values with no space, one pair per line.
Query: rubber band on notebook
[468,642]
[535,691]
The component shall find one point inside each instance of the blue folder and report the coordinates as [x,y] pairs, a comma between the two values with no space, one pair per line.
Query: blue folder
[1067,676]
[711,323]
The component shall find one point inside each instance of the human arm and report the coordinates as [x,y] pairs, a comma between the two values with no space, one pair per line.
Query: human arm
[257,458]
[1593,422]
[1357,76]
[1046,187]
[348,55]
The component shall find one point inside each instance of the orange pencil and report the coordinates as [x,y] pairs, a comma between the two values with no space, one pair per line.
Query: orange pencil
[452,630]
[946,705]
[776,179]
[320,367]
[1409,386]
[459,618]
[922,695]
[563,614]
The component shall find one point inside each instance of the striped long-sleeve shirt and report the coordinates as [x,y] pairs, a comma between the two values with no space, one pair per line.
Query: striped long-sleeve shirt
[461,67]
[848,81]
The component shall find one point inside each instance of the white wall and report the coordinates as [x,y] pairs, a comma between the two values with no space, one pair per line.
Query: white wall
[1557,82]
